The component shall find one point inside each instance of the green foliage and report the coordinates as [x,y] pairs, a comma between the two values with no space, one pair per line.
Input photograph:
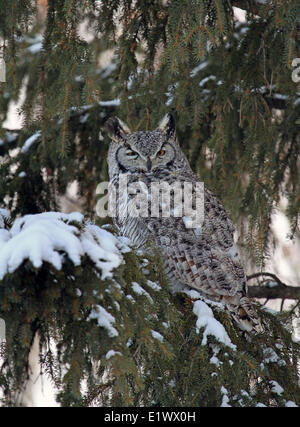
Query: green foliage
[229,86]
[228,83]
[149,351]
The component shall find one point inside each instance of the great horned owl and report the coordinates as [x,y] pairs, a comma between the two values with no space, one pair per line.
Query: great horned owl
[204,258]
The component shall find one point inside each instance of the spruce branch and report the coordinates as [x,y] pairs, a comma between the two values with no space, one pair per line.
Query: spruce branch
[272,289]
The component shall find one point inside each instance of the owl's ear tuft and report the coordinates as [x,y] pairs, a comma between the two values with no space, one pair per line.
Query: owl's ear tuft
[167,126]
[116,128]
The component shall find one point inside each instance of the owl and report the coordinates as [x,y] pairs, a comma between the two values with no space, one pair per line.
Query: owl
[205,257]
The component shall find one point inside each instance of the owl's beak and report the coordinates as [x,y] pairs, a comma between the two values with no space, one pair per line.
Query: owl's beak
[149,164]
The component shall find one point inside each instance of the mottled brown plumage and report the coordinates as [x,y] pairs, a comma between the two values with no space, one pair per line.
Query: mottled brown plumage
[204,257]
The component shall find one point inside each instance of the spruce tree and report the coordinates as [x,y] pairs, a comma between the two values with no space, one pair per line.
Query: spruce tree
[110,333]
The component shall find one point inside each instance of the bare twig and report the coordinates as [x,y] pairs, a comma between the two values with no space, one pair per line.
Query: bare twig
[274,290]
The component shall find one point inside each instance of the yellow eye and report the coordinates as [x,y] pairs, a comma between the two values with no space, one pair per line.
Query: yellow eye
[131,153]
[161,153]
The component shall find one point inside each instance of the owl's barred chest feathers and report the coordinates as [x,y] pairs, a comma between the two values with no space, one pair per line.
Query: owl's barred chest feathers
[216,225]
[192,255]
[203,257]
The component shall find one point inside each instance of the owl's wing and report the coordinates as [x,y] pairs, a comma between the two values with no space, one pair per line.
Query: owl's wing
[206,259]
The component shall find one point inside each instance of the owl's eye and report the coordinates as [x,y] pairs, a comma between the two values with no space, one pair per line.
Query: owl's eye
[161,153]
[131,153]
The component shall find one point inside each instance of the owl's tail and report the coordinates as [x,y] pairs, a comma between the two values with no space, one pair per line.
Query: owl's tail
[246,317]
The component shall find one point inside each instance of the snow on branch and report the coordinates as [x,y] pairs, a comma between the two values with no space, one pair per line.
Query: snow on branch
[206,320]
[29,141]
[49,236]
[252,7]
